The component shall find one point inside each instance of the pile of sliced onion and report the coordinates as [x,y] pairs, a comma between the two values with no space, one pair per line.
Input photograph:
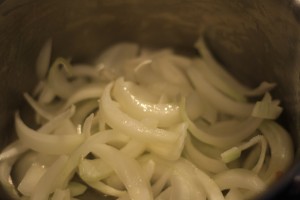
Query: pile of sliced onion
[143,125]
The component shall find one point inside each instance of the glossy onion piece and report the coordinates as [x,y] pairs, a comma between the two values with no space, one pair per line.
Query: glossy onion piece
[57,80]
[212,190]
[241,132]
[239,178]
[128,171]
[203,161]
[165,114]
[121,121]
[43,59]
[49,144]
[216,98]
[46,185]
[281,147]
[224,77]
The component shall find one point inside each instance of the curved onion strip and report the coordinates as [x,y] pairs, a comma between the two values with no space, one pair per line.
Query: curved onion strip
[114,181]
[159,185]
[85,109]
[60,194]
[46,95]
[262,156]
[216,81]
[281,148]
[164,195]
[234,194]
[49,144]
[202,161]
[239,178]
[128,171]
[47,184]
[85,70]
[31,178]
[85,148]
[212,190]
[106,189]
[216,98]
[122,51]
[119,120]
[87,125]
[43,59]
[39,109]
[57,81]
[241,132]
[57,121]
[95,170]
[181,188]
[14,149]
[5,178]
[234,152]
[225,77]
[92,91]
[165,114]
[171,151]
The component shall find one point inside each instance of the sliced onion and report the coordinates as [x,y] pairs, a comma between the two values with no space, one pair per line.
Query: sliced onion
[281,148]
[228,79]
[46,185]
[128,171]
[216,98]
[165,114]
[43,59]
[122,122]
[49,144]
[202,161]
[239,178]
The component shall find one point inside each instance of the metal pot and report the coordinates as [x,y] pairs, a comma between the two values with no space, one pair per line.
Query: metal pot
[256,40]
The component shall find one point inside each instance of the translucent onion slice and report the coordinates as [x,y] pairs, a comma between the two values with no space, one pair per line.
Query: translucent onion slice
[97,169]
[216,81]
[181,188]
[90,91]
[46,185]
[123,51]
[240,133]
[225,77]
[216,98]
[57,80]
[234,194]
[266,108]
[14,149]
[31,178]
[60,194]
[161,183]
[76,188]
[281,147]
[164,195]
[49,144]
[212,190]
[84,149]
[5,178]
[165,114]
[203,161]
[128,171]
[46,95]
[43,59]
[171,151]
[239,178]
[130,126]
[106,189]
[38,108]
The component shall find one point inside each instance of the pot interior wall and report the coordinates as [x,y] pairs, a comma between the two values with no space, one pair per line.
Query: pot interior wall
[256,40]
